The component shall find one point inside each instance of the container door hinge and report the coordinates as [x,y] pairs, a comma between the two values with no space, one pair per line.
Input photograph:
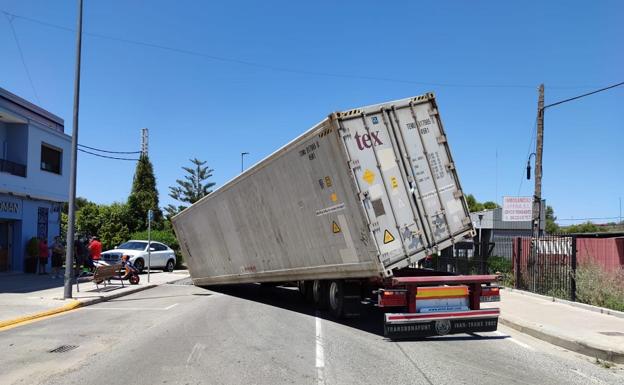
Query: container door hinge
[441,139]
[374,226]
[458,194]
[466,221]
[450,166]
[433,112]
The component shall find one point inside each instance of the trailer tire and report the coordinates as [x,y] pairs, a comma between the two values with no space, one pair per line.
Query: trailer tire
[319,294]
[344,298]
[336,298]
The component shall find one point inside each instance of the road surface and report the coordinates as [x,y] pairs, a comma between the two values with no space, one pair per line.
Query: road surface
[247,334]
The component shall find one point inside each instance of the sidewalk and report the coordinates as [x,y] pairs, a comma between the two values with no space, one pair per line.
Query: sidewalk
[573,328]
[28,296]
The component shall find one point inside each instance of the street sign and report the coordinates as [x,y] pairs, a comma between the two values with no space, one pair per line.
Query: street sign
[150,215]
[517,209]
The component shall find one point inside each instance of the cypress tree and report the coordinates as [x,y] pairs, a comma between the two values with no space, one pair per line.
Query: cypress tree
[143,197]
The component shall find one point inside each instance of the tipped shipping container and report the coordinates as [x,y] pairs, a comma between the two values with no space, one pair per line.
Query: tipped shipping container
[361,194]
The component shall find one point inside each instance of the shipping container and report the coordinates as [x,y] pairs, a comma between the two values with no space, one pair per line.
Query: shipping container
[362,193]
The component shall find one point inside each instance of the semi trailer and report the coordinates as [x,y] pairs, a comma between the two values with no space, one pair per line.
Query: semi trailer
[349,208]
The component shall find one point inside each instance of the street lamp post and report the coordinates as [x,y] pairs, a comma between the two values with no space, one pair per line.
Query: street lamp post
[69,254]
[242,160]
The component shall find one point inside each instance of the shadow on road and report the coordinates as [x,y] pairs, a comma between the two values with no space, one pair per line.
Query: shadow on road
[371,318]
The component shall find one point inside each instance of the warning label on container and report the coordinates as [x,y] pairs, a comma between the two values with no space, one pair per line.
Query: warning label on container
[335,228]
[394,182]
[368,176]
[331,209]
[388,237]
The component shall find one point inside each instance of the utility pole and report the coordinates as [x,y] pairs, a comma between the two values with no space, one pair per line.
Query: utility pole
[69,254]
[144,141]
[539,147]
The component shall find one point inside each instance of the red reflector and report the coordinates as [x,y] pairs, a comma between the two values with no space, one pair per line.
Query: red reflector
[388,298]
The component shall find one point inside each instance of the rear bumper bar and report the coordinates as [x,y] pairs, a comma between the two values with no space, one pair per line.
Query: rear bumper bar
[411,325]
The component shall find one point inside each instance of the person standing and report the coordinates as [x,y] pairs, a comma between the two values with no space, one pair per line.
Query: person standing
[95,249]
[44,252]
[58,250]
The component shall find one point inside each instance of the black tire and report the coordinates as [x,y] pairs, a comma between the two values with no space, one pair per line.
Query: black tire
[139,264]
[169,267]
[335,295]
[319,294]
[343,298]
[134,279]
[305,288]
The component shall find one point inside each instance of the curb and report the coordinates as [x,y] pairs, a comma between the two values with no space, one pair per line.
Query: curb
[74,304]
[564,342]
[70,306]
[580,305]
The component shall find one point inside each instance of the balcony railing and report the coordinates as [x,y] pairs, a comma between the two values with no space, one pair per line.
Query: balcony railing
[13,168]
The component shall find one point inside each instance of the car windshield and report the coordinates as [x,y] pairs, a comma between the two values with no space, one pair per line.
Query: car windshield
[133,245]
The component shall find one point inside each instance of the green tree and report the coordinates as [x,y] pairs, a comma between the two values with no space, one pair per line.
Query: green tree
[143,197]
[551,226]
[586,227]
[192,188]
[473,205]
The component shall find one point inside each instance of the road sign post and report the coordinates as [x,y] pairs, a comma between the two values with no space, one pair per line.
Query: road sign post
[150,217]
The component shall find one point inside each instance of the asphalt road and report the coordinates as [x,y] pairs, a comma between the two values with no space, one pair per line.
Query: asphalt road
[247,334]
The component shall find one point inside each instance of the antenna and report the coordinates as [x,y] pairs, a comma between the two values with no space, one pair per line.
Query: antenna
[144,141]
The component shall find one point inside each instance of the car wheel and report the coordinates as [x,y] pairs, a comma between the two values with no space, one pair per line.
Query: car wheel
[170,266]
[139,264]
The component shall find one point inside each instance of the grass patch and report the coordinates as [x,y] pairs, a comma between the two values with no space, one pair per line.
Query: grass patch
[598,287]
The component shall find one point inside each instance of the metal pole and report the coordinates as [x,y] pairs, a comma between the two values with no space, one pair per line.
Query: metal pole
[242,157]
[539,146]
[149,244]
[69,254]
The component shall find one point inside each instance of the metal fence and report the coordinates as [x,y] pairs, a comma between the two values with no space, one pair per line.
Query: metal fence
[546,265]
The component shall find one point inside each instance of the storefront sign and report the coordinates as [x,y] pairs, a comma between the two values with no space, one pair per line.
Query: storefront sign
[10,207]
[517,209]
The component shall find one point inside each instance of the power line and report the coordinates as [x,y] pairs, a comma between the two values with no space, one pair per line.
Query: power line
[106,156]
[584,95]
[277,68]
[110,152]
[19,48]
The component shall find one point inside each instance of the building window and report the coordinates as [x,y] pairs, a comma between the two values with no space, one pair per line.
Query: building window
[51,159]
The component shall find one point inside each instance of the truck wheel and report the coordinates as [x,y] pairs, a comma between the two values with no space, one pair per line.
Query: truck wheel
[344,298]
[319,294]
[305,288]
[336,298]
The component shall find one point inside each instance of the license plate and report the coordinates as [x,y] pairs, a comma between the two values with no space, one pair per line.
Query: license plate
[491,298]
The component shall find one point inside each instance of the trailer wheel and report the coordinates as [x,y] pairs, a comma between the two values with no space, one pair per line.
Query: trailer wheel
[336,298]
[344,298]
[319,294]
[305,288]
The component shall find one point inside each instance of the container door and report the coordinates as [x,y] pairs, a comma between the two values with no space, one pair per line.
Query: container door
[383,187]
[434,181]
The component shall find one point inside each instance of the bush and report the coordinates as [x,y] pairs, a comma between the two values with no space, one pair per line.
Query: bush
[501,265]
[168,238]
[598,287]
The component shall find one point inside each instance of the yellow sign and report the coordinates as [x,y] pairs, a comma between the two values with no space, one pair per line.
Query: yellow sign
[388,237]
[335,228]
[334,197]
[368,176]
[393,182]
[328,181]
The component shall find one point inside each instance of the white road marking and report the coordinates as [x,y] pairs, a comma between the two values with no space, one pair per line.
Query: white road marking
[131,308]
[515,341]
[195,354]
[320,355]
[592,379]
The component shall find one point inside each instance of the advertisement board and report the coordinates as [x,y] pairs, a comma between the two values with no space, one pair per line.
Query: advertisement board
[517,209]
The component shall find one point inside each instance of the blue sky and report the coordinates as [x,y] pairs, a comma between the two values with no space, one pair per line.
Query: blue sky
[483,59]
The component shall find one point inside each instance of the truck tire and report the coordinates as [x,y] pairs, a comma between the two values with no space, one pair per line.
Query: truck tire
[343,298]
[305,288]
[319,294]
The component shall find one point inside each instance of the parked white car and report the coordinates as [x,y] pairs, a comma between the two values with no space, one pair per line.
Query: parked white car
[161,255]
